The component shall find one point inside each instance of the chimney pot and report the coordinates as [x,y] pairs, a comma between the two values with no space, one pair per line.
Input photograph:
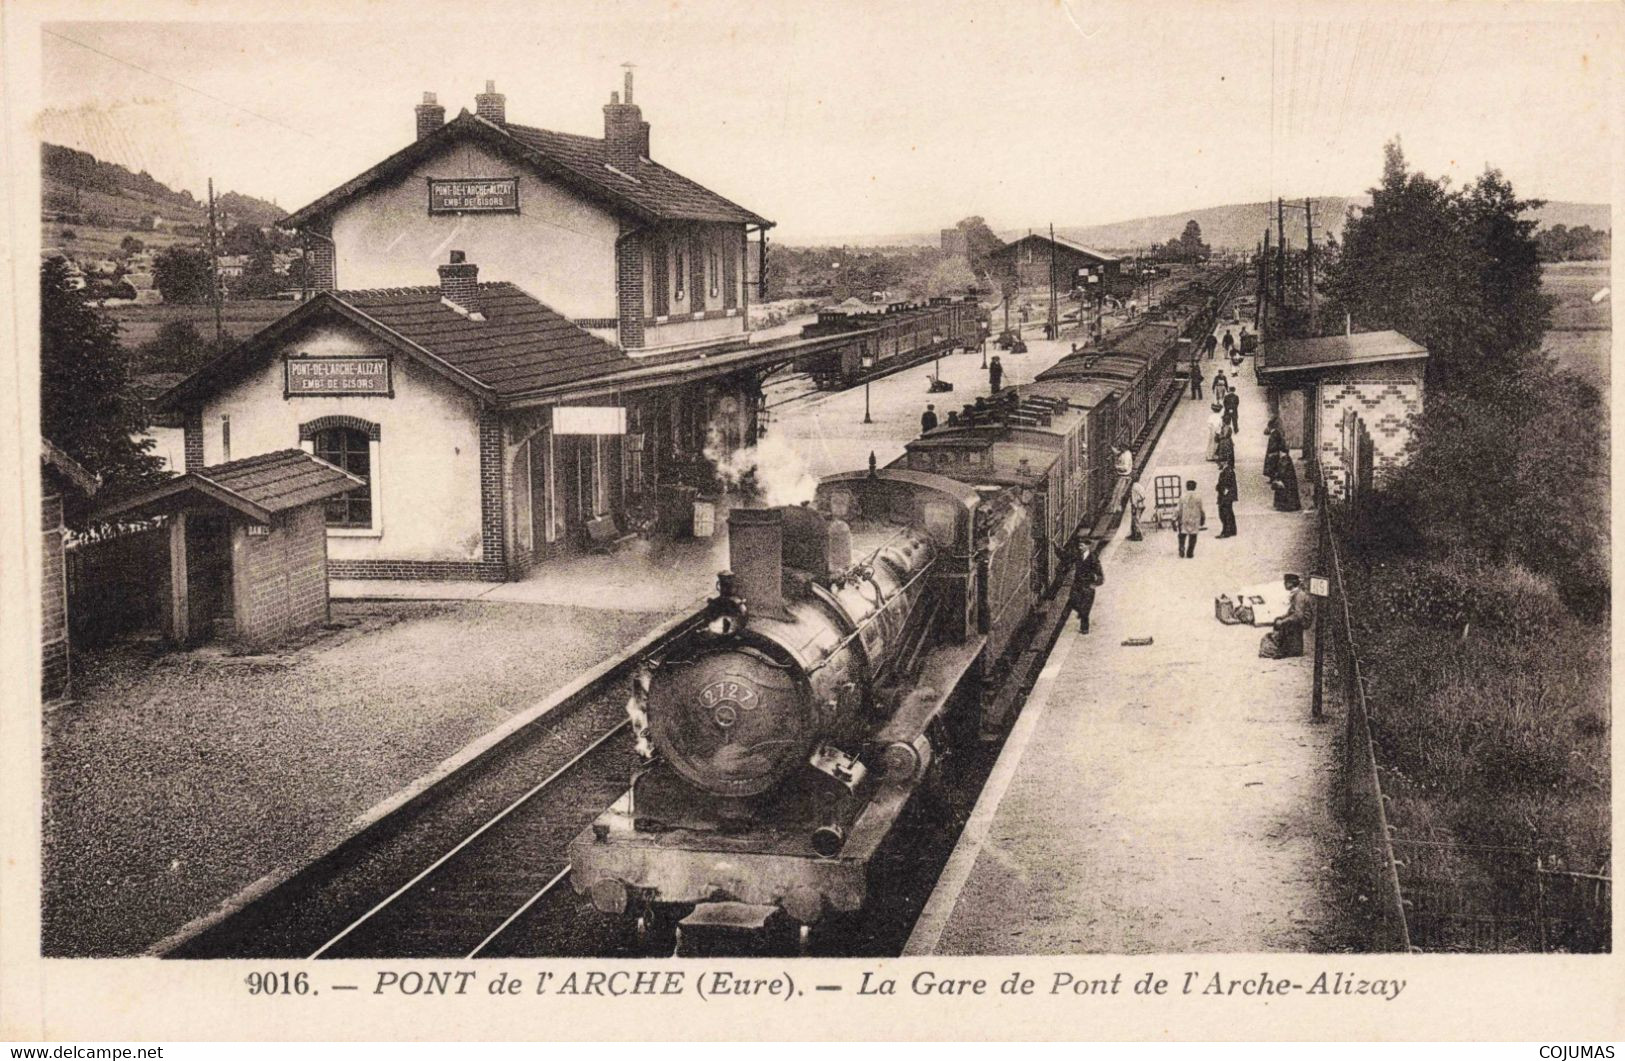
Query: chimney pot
[430,114]
[491,104]
[460,283]
[626,134]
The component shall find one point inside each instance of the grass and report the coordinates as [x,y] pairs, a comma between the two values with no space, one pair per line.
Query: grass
[1491,716]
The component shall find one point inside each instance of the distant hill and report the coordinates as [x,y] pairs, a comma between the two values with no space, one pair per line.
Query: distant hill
[1236,226]
[78,183]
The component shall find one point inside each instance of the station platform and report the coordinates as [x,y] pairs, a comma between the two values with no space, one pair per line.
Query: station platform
[1171,797]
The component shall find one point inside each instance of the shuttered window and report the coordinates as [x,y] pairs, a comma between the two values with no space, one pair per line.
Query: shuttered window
[659,280]
[730,274]
[696,244]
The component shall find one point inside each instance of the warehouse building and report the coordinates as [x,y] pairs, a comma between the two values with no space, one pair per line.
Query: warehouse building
[1031,259]
[523,342]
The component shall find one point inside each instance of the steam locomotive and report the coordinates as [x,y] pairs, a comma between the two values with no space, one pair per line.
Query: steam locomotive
[852,644]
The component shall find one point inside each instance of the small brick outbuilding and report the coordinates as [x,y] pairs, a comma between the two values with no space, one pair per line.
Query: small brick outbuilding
[247,545]
[60,476]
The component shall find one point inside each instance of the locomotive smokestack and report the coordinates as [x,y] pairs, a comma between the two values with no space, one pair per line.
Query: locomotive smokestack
[756,555]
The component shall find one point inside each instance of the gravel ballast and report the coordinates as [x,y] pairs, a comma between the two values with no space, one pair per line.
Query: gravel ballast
[173,780]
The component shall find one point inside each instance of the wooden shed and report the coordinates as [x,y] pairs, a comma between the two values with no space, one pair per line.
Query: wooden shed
[247,545]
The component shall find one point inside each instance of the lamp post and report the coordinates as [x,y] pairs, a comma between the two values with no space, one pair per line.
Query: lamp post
[868,362]
[986,325]
[1100,303]
[936,345]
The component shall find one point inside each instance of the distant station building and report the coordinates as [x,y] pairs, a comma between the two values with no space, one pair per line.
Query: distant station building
[1350,400]
[60,477]
[522,341]
[247,544]
[1032,258]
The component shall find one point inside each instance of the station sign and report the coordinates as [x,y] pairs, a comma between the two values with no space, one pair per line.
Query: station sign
[1319,586]
[589,420]
[474,195]
[309,377]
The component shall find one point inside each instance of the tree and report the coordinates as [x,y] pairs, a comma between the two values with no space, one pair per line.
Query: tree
[178,347]
[182,274]
[85,405]
[1511,457]
[131,245]
[244,238]
[980,243]
[259,279]
[1191,247]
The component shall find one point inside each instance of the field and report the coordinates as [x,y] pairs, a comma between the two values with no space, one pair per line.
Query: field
[138,324]
[1581,338]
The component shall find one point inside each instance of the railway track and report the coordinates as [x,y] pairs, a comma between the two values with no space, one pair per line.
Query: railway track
[449,871]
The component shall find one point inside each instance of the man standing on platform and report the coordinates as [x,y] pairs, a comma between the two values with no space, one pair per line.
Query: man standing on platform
[1191,519]
[1227,499]
[1196,376]
[1125,471]
[995,374]
[1086,575]
[1232,410]
[928,419]
[1136,508]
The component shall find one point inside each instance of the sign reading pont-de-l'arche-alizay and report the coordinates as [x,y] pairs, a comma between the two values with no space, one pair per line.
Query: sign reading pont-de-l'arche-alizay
[482,195]
[323,376]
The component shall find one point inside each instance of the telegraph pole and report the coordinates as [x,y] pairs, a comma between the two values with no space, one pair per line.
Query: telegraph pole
[1054,311]
[1280,252]
[1263,280]
[214,270]
[1309,258]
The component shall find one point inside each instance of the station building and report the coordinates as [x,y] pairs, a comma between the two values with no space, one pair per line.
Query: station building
[1031,258]
[1350,401]
[521,340]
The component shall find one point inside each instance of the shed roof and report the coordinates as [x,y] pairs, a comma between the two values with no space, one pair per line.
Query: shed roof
[257,487]
[69,469]
[1335,351]
[1063,243]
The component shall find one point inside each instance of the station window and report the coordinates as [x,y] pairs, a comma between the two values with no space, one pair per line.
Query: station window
[714,269]
[350,450]
[678,273]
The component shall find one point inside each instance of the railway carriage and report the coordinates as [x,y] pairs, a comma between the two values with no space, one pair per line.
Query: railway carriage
[784,735]
[889,337]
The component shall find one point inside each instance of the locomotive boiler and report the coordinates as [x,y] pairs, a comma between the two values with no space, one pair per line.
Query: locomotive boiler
[782,736]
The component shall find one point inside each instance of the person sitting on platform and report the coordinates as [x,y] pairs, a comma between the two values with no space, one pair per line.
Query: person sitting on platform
[1285,639]
[1285,484]
[928,419]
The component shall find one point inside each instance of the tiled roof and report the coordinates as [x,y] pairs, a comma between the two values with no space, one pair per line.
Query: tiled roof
[258,487]
[71,470]
[280,480]
[652,186]
[649,191]
[520,346]
[1333,351]
[1060,241]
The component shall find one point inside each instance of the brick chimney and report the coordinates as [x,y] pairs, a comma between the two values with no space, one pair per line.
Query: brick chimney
[460,284]
[431,115]
[626,134]
[491,104]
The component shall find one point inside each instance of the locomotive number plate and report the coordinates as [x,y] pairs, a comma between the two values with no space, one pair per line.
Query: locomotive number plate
[726,698]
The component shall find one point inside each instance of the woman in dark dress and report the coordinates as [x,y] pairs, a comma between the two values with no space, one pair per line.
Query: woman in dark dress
[1273,448]
[1285,484]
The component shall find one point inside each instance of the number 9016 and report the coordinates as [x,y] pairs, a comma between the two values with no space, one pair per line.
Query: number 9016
[278,983]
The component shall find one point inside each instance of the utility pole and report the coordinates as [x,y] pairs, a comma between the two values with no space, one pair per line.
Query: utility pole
[1309,259]
[1280,253]
[1054,311]
[1263,281]
[214,271]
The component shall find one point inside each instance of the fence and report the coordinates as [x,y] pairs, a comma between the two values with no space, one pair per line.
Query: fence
[1441,895]
[117,584]
[1362,787]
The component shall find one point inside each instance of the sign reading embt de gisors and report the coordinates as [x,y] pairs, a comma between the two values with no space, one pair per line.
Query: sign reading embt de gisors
[309,376]
[484,195]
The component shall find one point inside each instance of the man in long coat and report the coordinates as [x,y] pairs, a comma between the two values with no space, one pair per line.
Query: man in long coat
[1191,519]
[1285,640]
[1086,575]
[1232,410]
[1227,499]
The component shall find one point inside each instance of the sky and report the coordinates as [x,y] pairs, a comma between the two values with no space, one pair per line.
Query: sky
[844,119]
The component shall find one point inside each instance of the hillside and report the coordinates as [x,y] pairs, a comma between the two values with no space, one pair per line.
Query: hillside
[1236,226]
[106,194]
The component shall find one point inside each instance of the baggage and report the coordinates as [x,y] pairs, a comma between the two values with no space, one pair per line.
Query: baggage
[1227,611]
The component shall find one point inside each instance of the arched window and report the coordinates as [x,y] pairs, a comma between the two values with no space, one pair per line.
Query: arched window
[347,448]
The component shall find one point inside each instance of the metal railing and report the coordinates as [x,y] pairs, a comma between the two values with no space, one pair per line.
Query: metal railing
[1363,800]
